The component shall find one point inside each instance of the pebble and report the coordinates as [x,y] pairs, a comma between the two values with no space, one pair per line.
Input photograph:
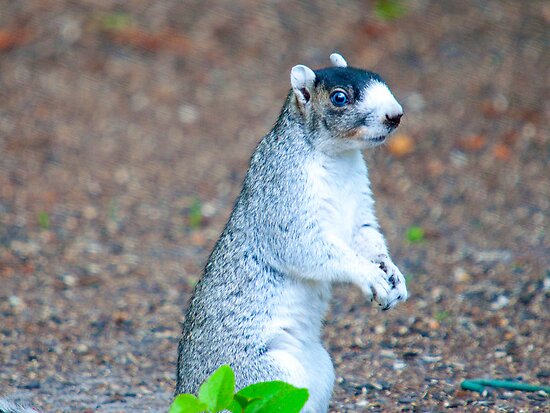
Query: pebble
[69,280]
[122,176]
[89,212]
[431,359]
[71,29]
[15,301]
[493,256]
[461,276]
[379,329]
[399,365]
[27,249]
[188,114]
[501,302]
[500,354]
[82,348]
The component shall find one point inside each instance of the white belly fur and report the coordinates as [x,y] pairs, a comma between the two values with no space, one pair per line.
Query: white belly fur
[295,329]
[295,340]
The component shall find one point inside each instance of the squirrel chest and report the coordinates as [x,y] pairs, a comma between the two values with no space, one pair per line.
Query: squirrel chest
[337,183]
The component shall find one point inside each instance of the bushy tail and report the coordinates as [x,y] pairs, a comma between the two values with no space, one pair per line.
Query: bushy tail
[7,406]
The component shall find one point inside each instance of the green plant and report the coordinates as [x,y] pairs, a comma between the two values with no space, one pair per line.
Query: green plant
[44,220]
[389,9]
[116,22]
[217,393]
[415,234]
[442,315]
[194,216]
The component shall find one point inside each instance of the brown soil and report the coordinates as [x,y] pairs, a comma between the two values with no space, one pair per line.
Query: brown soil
[117,118]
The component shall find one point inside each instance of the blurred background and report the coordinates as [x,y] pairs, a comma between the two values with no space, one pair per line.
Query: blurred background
[125,132]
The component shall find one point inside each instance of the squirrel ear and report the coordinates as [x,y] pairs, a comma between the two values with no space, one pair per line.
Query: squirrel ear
[302,79]
[337,60]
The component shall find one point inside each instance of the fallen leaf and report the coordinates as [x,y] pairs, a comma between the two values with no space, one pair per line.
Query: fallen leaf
[472,143]
[502,152]
[433,324]
[435,167]
[12,38]
[401,145]
[198,239]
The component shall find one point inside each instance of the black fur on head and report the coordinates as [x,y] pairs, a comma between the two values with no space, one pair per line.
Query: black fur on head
[349,78]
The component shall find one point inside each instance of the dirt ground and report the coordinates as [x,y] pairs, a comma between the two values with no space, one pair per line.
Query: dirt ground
[125,132]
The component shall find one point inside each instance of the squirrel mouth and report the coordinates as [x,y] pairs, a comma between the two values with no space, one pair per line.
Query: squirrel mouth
[378,138]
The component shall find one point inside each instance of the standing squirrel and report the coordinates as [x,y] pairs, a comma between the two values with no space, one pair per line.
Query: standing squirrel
[304,219]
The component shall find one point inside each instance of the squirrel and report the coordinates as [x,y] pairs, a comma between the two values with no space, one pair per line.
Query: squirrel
[304,219]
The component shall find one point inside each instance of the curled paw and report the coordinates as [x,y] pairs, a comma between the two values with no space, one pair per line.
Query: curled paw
[396,280]
[375,285]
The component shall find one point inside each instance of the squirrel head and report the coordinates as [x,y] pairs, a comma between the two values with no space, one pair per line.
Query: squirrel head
[344,107]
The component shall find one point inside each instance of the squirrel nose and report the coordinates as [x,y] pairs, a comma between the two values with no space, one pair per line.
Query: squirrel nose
[393,120]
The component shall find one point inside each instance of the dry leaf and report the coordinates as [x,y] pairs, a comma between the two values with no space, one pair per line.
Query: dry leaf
[11,38]
[435,167]
[502,152]
[401,145]
[472,143]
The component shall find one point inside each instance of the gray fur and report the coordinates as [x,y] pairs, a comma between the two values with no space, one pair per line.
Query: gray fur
[224,321]
[8,406]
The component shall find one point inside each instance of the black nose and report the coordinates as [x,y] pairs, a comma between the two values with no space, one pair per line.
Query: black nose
[393,120]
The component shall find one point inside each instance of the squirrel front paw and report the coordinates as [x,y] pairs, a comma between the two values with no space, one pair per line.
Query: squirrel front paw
[396,280]
[376,285]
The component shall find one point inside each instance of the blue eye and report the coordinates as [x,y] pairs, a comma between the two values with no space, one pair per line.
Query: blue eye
[339,98]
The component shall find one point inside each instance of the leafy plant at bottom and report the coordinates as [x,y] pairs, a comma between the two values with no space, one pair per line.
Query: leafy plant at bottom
[217,391]
[217,394]
[271,396]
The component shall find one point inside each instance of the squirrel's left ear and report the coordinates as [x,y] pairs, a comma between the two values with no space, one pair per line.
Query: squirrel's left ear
[302,79]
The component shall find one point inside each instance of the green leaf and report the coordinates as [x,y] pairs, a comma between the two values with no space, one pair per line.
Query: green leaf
[116,22]
[271,397]
[217,391]
[242,401]
[194,216]
[264,389]
[44,220]
[415,234]
[442,315]
[187,403]
[389,9]
[235,407]
[291,401]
